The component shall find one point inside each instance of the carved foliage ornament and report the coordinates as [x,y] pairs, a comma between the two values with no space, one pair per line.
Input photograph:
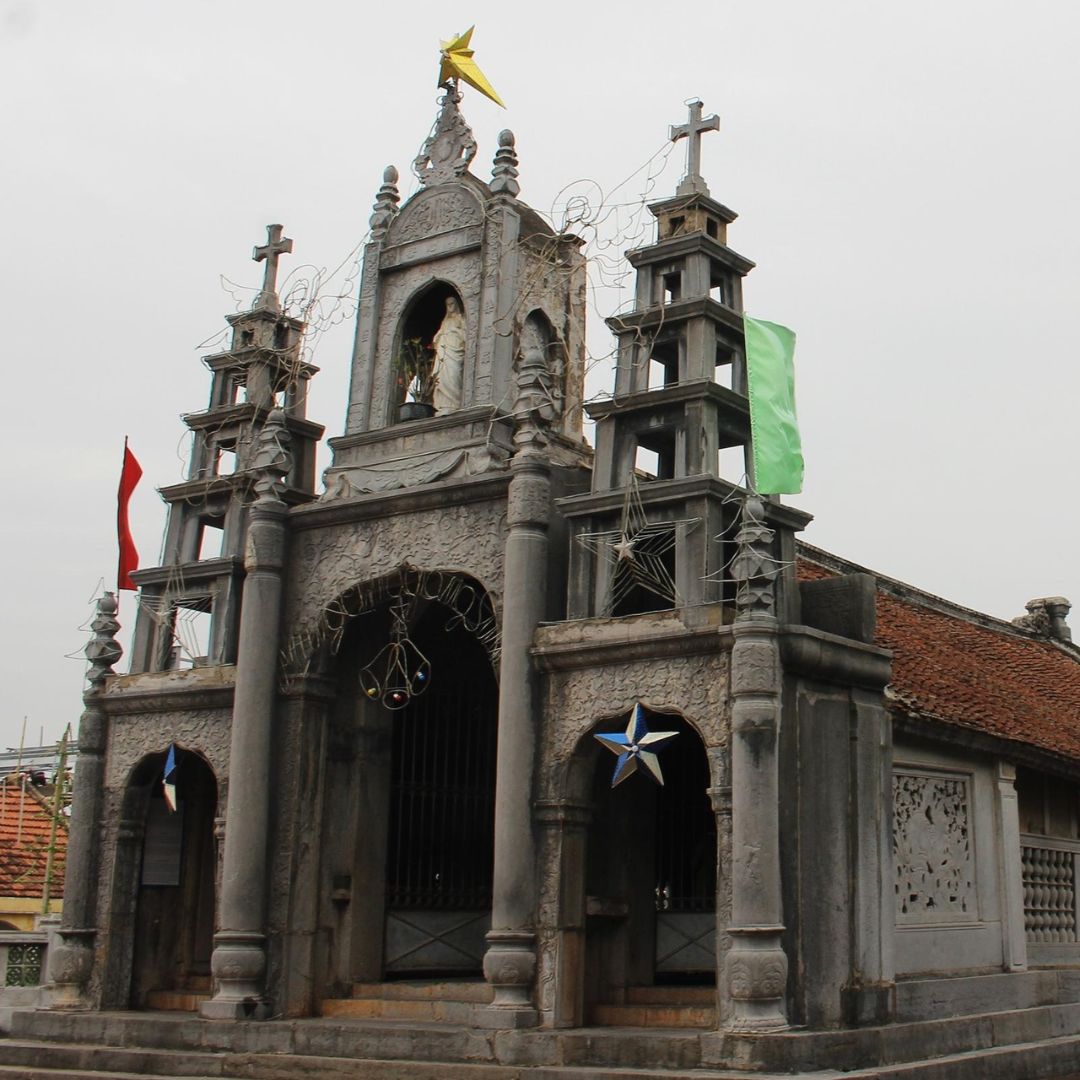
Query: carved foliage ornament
[450,148]
[932,841]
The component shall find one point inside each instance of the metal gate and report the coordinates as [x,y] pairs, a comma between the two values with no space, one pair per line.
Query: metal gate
[685,860]
[442,817]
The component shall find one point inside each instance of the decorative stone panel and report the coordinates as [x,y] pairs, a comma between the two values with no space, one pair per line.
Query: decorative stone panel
[132,737]
[934,849]
[466,538]
[694,686]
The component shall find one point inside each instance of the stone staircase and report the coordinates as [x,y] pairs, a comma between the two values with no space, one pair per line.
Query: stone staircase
[396,1038]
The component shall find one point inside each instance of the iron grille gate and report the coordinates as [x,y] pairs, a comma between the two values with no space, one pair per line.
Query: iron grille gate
[685,859]
[441,841]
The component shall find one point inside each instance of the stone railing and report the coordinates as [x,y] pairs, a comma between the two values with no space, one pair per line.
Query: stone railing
[1050,889]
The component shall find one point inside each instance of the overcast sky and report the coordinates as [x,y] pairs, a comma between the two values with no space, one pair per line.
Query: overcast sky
[906,177]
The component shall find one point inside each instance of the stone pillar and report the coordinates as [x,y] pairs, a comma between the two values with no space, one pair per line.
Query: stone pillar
[1012,922]
[239,959]
[510,961]
[720,799]
[71,959]
[756,971]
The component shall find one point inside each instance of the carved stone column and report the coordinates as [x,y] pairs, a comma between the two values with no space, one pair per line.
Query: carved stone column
[239,958]
[756,971]
[71,959]
[510,961]
[720,799]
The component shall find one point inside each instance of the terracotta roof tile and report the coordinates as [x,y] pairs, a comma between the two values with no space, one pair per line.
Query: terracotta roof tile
[976,673]
[24,844]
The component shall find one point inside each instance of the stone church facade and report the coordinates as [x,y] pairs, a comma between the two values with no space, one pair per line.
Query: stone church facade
[391,800]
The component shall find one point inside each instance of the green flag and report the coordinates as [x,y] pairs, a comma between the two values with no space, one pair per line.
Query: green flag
[774,428]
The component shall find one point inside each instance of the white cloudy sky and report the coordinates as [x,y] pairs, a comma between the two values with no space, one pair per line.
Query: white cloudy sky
[905,174]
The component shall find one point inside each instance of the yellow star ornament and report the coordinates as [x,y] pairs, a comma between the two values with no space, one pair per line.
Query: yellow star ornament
[458,63]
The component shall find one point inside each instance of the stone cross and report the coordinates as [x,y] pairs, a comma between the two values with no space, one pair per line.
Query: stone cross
[693,183]
[275,245]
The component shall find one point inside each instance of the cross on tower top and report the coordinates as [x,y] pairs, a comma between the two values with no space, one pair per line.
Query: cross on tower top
[692,182]
[275,245]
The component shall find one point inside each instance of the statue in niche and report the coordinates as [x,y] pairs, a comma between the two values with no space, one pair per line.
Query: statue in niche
[449,363]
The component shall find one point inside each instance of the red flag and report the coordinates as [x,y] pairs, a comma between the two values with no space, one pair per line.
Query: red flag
[129,557]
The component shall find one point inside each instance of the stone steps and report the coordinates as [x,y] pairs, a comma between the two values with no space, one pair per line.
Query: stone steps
[1029,1045]
[659,1007]
[422,1000]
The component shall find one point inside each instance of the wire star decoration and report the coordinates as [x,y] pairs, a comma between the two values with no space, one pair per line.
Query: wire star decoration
[631,748]
[637,549]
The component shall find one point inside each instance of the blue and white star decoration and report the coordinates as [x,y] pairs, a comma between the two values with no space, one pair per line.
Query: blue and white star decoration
[636,747]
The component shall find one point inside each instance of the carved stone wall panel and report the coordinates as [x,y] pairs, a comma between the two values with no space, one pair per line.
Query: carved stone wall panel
[694,686]
[933,844]
[437,210]
[465,538]
[132,737]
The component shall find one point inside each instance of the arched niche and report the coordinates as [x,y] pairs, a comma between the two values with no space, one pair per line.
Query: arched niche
[419,353]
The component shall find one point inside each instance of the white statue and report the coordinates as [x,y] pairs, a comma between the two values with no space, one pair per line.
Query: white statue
[449,346]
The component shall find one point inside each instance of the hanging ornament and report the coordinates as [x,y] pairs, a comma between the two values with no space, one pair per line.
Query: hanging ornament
[639,552]
[399,670]
[636,747]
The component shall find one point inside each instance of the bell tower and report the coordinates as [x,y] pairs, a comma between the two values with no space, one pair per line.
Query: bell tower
[657,529]
[189,606]
[451,281]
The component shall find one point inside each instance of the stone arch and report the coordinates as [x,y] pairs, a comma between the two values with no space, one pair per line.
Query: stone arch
[164,885]
[314,649]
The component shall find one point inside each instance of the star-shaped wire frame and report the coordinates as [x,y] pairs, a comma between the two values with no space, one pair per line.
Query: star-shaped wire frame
[638,549]
[631,748]
[458,63]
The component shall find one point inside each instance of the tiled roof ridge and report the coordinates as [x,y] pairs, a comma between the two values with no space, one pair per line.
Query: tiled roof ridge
[902,590]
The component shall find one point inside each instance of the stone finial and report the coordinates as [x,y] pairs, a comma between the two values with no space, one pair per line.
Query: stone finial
[1046,617]
[103,650]
[386,203]
[450,148]
[754,566]
[275,245]
[272,459]
[504,172]
[534,406]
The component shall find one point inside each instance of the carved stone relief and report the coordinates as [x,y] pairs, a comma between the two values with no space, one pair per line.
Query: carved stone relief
[694,686]
[131,738]
[932,843]
[438,211]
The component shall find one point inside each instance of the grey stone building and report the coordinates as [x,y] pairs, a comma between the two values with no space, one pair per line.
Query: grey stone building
[393,812]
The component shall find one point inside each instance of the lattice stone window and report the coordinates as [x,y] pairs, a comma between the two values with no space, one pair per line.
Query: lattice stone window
[24,965]
[932,844]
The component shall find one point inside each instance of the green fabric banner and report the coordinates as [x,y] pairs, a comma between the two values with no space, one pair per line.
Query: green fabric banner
[774,427]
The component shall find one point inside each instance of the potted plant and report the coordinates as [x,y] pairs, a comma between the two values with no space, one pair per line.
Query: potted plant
[415,380]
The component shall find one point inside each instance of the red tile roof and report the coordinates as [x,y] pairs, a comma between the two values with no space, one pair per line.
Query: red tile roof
[973,671]
[24,845]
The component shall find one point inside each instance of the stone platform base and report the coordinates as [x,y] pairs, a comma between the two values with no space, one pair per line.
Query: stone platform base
[1030,1044]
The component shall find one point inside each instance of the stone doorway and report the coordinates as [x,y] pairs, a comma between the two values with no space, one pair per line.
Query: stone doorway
[174,883]
[651,872]
[410,807]
[440,848]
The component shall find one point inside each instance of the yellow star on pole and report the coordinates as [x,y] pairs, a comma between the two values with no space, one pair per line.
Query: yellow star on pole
[458,63]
